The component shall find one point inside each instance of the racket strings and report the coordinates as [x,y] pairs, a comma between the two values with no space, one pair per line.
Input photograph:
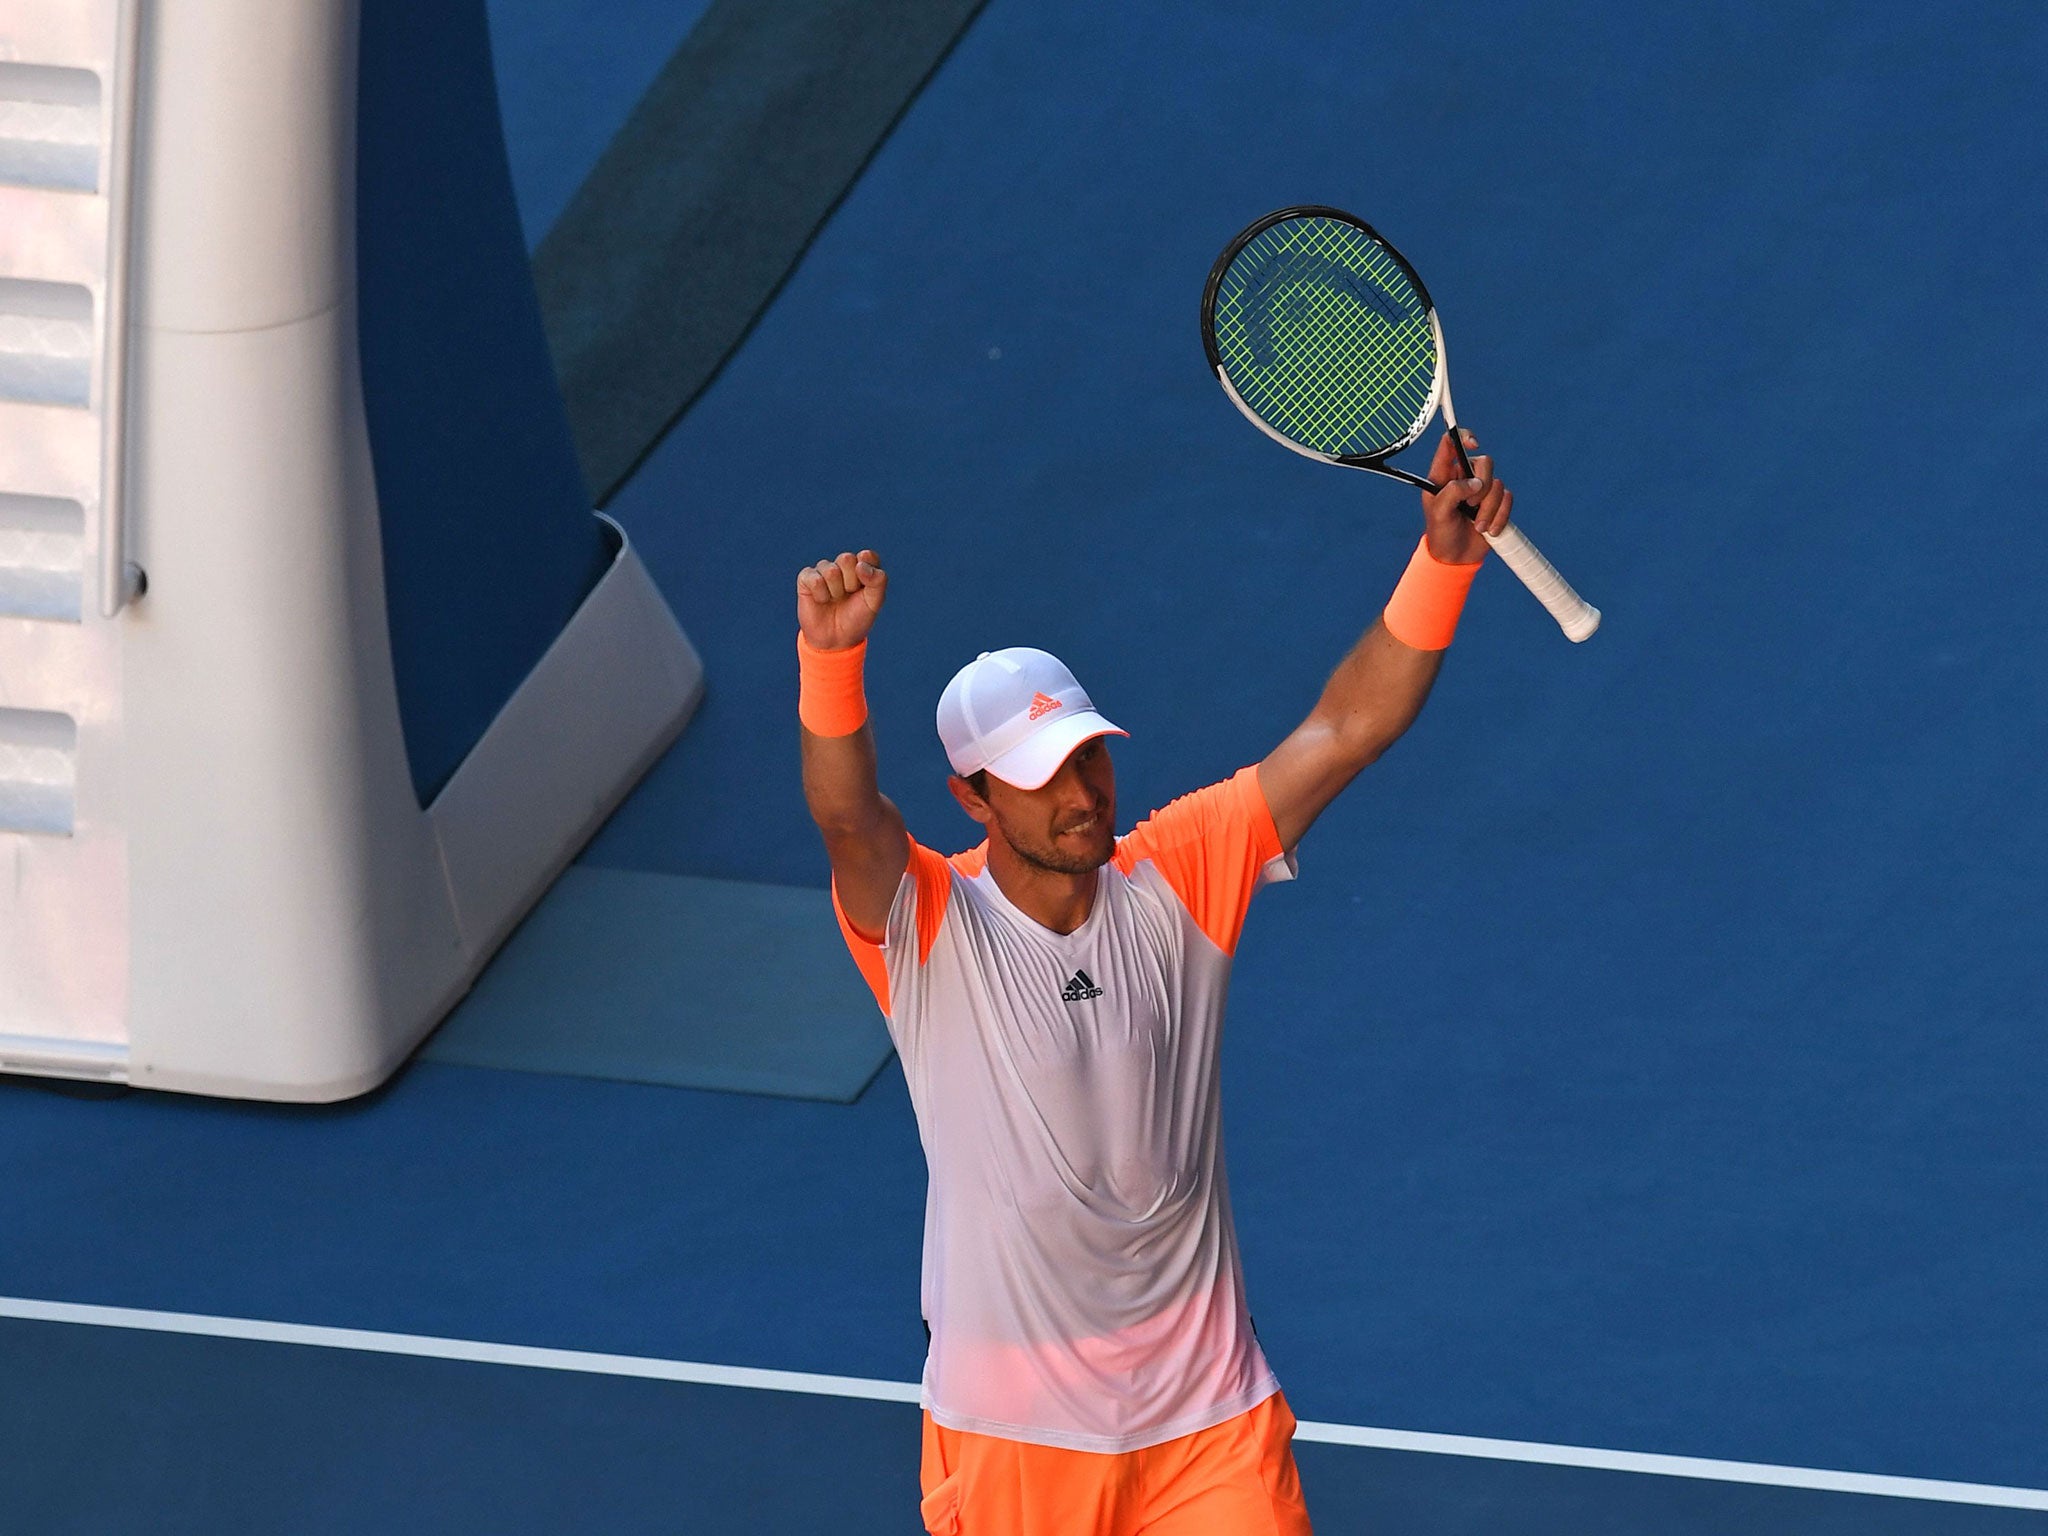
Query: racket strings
[1325,337]
[1343,360]
[1351,352]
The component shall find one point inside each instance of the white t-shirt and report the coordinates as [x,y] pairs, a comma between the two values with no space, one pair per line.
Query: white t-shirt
[1081,1273]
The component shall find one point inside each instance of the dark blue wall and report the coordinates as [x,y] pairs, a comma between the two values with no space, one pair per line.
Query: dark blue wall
[489,543]
[566,86]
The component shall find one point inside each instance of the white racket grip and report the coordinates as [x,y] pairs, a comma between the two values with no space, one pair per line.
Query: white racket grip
[1575,616]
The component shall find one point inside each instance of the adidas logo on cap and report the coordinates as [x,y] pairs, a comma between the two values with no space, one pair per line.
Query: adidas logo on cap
[1017,713]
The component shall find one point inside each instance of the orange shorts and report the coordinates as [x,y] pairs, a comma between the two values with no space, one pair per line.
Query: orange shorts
[1237,1479]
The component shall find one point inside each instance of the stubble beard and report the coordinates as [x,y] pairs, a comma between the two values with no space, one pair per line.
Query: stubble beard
[1049,857]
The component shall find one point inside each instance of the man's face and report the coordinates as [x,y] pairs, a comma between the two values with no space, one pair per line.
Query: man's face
[1068,823]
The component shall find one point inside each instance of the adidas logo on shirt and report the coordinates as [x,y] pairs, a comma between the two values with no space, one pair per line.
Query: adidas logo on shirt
[1080,988]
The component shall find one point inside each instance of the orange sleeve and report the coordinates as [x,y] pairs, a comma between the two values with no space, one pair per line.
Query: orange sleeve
[932,876]
[1211,846]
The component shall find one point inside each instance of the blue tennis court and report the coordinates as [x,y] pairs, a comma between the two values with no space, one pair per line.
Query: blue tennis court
[1637,1109]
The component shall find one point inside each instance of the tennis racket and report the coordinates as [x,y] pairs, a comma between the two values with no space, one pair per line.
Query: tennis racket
[1324,336]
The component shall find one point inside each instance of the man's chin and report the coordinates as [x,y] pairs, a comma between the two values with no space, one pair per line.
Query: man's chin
[1089,854]
[1072,856]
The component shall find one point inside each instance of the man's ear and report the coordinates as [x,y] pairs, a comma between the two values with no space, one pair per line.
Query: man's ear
[970,802]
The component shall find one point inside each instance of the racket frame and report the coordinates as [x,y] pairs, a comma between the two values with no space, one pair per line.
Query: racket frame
[1439,390]
[1575,616]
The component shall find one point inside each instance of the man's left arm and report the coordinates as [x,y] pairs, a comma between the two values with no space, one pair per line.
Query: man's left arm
[1378,689]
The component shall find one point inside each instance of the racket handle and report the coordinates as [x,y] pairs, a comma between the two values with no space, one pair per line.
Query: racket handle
[1575,616]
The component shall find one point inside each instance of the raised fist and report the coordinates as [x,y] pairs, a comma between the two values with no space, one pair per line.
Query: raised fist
[837,600]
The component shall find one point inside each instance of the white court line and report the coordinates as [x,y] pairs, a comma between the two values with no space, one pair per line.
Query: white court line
[534,1358]
[428,1347]
[1678,1466]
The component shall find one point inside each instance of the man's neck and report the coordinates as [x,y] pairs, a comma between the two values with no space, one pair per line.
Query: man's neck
[1049,898]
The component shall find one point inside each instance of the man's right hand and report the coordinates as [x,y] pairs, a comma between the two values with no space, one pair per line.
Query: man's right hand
[836,604]
[837,600]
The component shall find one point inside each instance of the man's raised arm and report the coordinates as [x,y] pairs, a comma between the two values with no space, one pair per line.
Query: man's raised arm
[1377,690]
[836,604]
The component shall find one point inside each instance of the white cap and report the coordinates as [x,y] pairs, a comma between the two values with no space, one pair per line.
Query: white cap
[1017,713]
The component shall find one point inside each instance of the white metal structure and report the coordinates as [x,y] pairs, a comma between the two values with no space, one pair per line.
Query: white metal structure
[214,873]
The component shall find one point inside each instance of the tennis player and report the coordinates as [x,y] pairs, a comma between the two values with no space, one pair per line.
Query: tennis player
[1056,997]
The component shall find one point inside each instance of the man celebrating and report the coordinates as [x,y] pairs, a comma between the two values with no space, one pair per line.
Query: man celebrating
[1056,997]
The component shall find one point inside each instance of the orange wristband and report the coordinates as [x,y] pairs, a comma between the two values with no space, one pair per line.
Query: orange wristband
[1424,609]
[830,699]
